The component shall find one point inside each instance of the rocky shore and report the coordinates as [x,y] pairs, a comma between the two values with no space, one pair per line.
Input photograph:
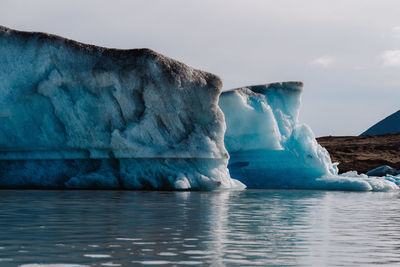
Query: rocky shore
[363,153]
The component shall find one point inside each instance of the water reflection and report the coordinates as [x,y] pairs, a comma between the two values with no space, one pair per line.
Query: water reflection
[252,227]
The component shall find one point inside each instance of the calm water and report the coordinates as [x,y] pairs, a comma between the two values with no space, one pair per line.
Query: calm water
[247,228]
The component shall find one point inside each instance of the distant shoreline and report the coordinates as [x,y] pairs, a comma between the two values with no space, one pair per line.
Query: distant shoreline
[363,153]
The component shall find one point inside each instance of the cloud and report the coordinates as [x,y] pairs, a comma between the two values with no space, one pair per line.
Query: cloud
[396,32]
[391,58]
[324,61]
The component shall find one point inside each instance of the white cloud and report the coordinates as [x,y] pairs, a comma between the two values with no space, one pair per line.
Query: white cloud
[391,58]
[324,61]
[396,32]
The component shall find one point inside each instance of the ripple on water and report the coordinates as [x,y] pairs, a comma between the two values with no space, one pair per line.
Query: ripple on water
[97,256]
[260,227]
[150,262]
[110,264]
[195,252]
[144,243]
[188,246]
[52,265]
[168,254]
[127,239]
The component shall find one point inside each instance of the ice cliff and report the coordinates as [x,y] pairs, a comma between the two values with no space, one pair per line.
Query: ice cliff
[270,148]
[81,116]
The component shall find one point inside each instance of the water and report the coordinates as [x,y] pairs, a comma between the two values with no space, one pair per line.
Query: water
[246,228]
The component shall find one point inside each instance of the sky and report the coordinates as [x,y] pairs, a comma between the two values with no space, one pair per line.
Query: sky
[347,52]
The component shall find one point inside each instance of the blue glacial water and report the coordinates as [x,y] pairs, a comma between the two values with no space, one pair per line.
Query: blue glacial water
[242,228]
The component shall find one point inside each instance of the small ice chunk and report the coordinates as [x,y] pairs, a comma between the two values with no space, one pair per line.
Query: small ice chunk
[383,171]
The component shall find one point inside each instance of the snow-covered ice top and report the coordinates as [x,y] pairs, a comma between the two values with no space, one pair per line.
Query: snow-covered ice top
[64,99]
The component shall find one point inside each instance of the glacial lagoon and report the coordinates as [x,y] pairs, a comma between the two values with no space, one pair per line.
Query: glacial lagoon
[218,228]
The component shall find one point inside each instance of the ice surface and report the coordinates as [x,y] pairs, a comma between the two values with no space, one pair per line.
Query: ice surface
[88,116]
[270,148]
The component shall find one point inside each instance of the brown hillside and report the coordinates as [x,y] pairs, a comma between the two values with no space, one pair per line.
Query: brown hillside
[363,153]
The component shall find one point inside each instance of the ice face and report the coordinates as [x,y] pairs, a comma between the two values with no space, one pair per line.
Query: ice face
[62,100]
[133,173]
[270,148]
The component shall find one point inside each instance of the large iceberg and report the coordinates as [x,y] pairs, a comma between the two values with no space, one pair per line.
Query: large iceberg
[74,115]
[270,148]
[80,116]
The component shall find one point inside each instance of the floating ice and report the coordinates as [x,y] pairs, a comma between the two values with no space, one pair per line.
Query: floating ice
[270,148]
[383,171]
[80,116]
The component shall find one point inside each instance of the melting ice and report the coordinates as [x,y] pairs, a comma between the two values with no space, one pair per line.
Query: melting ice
[270,148]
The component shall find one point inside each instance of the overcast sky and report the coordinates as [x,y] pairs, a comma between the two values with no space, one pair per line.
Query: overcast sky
[346,52]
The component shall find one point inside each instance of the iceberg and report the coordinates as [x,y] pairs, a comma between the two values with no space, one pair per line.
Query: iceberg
[270,148]
[74,115]
[383,171]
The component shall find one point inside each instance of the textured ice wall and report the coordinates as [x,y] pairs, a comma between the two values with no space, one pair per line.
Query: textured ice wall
[63,100]
[270,148]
